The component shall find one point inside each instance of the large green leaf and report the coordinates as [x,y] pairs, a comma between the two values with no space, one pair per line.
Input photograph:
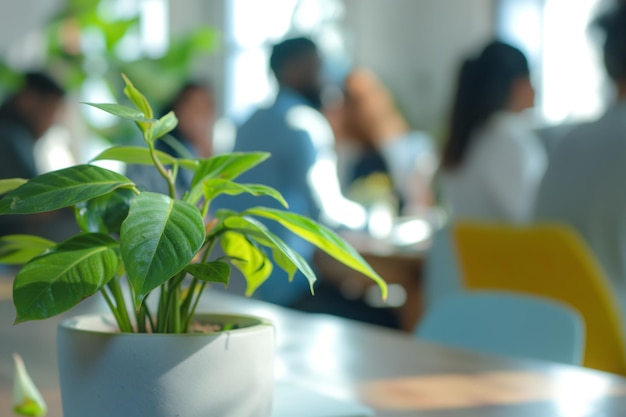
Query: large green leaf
[159,238]
[324,238]
[141,156]
[123,112]
[246,257]
[58,280]
[228,166]
[19,249]
[133,155]
[106,213]
[217,271]
[10,184]
[288,259]
[215,187]
[63,188]
[211,188]
[164,126]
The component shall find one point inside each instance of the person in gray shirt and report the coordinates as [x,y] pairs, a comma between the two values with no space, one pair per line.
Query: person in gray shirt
[584,184]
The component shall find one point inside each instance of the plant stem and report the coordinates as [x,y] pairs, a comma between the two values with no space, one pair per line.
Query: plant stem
[120,302]
[111,305]
[189,306]
[140,316]
[192,311]
[162,309]
[164,173]
[186,304]
[150,318]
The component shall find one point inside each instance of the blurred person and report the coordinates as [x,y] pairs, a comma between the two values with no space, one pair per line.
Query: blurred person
[583,185]
[302,164]
[194,106]
[375,146]
[492,162]
[24,118]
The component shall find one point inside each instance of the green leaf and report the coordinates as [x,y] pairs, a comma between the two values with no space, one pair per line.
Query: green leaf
[214,187]
[124,112]
[58,280]
[210,271]
[63,188]
[324,238]
[164,126]
[228,166]
[19,249]
[288,259]
[10,184]
[133,155]
[142,104]
[256,268]
[159,238]
[106,213]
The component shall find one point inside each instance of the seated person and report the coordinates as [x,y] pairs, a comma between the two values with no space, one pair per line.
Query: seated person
[25,117]
[375,148]
[583,186]
[492,162]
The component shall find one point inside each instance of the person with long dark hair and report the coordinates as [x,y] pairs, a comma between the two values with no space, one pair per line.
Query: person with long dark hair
[492,162]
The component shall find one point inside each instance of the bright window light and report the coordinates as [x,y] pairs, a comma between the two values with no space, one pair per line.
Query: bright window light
[154,27]
[95,90]
[255,22]
[249,82]
[572,68]
[566,63]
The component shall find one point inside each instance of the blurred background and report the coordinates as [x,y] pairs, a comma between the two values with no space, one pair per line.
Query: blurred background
[414,46]
[411,51]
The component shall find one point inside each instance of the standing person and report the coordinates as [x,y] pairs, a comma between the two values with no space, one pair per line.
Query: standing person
[492,162]
[302,164]
[584,185]
[24,118]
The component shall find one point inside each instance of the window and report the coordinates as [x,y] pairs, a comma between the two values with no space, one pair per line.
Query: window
[253,26]
[565,57]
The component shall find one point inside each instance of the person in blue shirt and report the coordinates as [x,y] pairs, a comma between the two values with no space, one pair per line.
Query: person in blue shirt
[302,164]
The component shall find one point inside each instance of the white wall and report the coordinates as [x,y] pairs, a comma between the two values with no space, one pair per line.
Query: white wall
[416,46]
[20,21]
[188,14]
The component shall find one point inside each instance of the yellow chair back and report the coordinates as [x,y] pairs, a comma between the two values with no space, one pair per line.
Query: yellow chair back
[551,261]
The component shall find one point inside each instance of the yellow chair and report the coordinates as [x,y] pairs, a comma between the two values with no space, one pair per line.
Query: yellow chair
[551,261]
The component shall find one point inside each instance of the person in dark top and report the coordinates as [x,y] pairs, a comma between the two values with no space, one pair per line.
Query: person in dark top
[24,118]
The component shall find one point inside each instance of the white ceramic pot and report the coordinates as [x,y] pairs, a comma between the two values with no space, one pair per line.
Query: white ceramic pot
[108,374]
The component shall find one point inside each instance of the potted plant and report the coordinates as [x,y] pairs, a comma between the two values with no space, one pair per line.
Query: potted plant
[151,255]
